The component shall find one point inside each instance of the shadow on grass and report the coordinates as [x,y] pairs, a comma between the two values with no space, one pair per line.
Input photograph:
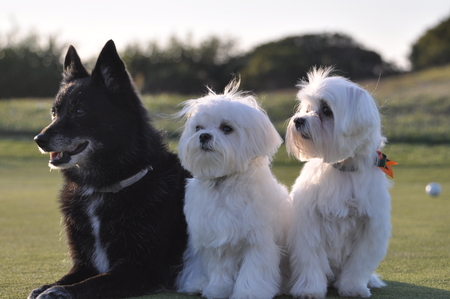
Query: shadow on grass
[393,290]
[400,290]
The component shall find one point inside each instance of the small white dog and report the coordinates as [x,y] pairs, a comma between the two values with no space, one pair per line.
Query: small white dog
[341,226]
[237,213]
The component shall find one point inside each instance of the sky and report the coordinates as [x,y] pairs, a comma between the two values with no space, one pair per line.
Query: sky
[389,27]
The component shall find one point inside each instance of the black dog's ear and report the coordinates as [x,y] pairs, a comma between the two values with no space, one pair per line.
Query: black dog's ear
[110,69]
[73,69]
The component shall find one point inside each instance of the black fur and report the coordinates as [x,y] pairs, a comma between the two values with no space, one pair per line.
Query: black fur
[142,227]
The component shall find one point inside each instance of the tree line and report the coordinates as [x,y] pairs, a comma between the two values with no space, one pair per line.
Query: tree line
[29,68]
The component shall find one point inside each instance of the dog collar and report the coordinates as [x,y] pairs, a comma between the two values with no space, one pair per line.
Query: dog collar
[385,164]
[381,161]
[340,166]
[114,188]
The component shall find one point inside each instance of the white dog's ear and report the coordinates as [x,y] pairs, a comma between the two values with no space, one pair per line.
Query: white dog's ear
[357,123]
[262,135]
[361,112]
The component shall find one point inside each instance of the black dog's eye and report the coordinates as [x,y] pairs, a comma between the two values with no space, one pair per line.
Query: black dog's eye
[53,112]
[198,128]
[226,129]
[79,112]
[326,111]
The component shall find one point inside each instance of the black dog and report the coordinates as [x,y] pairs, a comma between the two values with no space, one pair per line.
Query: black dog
[122,199]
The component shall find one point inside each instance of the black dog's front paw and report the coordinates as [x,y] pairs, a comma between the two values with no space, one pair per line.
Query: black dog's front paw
[56,292]
[36,292]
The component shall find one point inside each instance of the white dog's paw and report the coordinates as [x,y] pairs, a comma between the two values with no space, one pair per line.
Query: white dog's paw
[217,291]
[255,286]
[57,292]
[375,282]
[311,290]
[355,291]
[194,286]
[246,295]
[308,293]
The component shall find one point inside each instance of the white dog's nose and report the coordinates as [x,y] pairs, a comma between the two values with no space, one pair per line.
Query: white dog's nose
[299,122]
[205,137]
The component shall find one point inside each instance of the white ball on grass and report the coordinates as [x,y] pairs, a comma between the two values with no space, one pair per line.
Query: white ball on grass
[433,189]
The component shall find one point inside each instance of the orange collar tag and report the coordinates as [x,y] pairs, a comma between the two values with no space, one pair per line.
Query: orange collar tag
[385,164]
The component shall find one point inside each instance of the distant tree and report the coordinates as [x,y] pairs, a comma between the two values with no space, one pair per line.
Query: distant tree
[29,69]
[282,63]
[181,66]
[432,48]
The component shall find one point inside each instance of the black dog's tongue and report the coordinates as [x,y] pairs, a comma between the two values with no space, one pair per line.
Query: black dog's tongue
[57,158]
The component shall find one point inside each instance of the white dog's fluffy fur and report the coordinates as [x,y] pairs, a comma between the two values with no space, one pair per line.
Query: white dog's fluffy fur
[341,223]
[237,213]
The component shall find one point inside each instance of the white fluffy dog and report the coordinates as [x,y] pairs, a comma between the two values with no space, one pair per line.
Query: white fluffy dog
[341,226]
[237,213]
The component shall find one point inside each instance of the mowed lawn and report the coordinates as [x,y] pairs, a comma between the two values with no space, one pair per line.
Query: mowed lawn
[415,108]
[33,247]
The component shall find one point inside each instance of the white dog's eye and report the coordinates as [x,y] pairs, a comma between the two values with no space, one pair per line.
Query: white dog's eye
[198,128]
[326,111]
[226,129]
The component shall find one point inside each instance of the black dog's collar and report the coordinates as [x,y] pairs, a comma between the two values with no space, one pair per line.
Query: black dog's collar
[114,188]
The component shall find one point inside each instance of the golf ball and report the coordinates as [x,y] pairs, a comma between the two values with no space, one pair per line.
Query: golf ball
[433,189]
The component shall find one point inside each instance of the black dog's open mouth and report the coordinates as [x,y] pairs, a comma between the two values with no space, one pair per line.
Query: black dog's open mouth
[59,158]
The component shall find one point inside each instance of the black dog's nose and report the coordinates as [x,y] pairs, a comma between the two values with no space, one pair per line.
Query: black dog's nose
[41,140]
[299,122]
[205,137]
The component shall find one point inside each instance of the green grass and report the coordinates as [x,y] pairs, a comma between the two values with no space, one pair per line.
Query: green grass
[33,248]
[24,116]
[29,219]
[415,106]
